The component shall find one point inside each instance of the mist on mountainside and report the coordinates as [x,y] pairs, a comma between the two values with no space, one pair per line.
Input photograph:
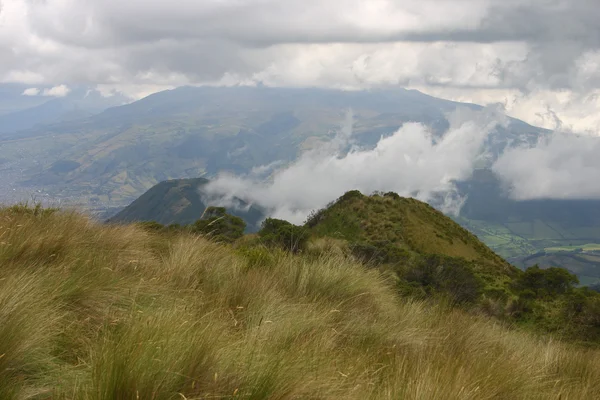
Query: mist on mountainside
[415,162]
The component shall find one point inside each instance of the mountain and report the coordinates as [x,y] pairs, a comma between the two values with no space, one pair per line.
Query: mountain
[428,255]
[48,112]
[74,106]
[550,233]
[199,131]
[13,100]
[182,201]
[389,225]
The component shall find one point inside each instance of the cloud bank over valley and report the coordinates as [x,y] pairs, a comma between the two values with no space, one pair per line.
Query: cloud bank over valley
[411,162]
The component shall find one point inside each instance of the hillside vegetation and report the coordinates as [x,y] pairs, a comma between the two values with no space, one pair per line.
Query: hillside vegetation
[91,311]
[433,256]
[408,224]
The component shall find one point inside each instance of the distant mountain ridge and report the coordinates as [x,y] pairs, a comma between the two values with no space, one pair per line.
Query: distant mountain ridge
[200,131]
[74,106]
[181,201]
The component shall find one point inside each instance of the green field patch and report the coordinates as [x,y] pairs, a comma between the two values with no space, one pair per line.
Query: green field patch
[590,233]
[524,229]
[564,232]
[590,257]
[585,247]
[545,231]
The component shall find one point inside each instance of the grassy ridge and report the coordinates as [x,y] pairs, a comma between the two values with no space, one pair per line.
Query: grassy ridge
[117,312]
[409,226]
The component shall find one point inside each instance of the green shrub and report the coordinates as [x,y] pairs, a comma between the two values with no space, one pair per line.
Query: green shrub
[379,252]
[352,194]
[220,226]
[314,217]
[36,210]
[546,282]
[257,256]
[151,226]
[367,253]
[280,233]
[451,276]
[583,308]
[392,195]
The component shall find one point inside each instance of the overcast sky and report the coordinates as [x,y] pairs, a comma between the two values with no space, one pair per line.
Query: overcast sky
[539,57]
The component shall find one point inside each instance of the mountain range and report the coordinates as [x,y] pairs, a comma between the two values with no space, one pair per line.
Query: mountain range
[109,159]
[190,132]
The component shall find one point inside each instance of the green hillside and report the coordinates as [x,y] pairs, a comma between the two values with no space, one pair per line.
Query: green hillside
[91,311]
[182,202]
[521,232]
[407,226]
[430,255]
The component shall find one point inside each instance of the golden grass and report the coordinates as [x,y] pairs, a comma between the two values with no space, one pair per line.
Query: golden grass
[103,312]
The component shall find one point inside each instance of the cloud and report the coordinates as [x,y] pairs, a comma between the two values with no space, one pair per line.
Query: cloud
[57,91]
[411,162]
[567,110]
[525,46]
[561,166]
[31,92]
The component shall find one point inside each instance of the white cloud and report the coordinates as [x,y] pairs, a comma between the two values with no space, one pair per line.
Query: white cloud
[561,166]
[410,162]
[539,49]
[31,92]
[57,91]
[566,110]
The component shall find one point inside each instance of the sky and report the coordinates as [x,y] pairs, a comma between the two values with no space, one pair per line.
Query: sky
[539,58]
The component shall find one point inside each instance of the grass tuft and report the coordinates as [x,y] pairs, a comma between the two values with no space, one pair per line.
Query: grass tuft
[116,312]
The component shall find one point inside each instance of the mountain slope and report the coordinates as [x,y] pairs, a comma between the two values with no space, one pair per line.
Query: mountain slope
[544,222]
[190,132]
[13,100]
[50,112]
[180,201]
[94,311]
[77,105]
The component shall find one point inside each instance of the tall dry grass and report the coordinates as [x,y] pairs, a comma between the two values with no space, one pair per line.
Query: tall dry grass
[106,312]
